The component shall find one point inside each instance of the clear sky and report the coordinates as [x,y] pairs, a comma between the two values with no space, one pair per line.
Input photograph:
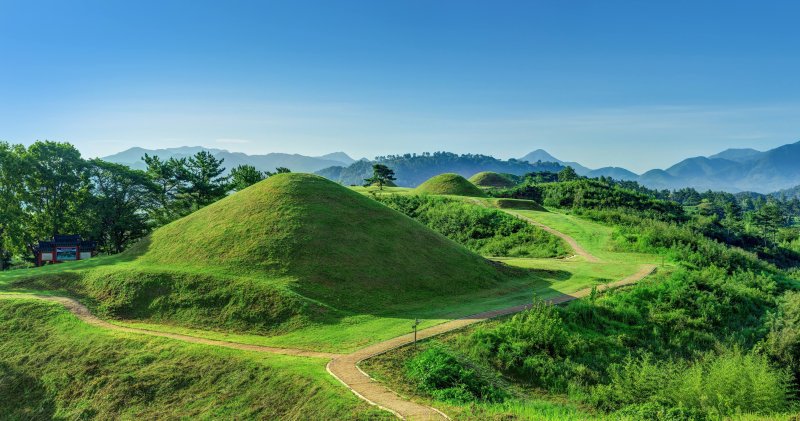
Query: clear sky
[640,84]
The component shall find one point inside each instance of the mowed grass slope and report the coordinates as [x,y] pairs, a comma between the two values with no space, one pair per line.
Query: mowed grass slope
[332,241]
[449,184]
[53,366]
[491,179]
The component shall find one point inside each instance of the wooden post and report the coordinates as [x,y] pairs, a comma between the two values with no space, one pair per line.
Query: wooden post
[416,323]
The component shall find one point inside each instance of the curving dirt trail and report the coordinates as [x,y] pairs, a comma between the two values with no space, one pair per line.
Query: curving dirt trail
[344,367]
[83,313]
[577,248]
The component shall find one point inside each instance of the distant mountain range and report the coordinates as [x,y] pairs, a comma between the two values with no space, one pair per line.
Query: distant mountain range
[297,163]
[732,170]
[412,170]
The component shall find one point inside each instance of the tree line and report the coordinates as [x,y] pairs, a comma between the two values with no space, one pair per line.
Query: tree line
[48,188]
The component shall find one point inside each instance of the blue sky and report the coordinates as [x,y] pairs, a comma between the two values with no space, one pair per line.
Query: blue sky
[627,83]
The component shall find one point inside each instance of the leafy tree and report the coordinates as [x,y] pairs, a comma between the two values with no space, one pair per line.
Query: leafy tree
[279,170]
[56,190]
[245,176]
[204,181]
[121,200]
[11,214]
[567,174]
[169,178]
[381,174]
[769,218]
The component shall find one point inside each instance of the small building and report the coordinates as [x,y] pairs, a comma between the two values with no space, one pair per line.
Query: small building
[64,248]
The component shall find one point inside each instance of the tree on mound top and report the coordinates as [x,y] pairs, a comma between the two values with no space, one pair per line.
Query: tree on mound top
[381,175]
[449,184]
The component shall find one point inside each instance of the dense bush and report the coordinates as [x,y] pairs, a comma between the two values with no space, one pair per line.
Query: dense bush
[486,231]
[594,194]
[716,385]
[439,373]
[531,346]
[783,341]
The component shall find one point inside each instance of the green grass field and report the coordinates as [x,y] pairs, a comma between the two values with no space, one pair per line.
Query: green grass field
[57,367]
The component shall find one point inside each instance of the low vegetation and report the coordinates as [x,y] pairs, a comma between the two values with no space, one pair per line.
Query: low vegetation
[486,231]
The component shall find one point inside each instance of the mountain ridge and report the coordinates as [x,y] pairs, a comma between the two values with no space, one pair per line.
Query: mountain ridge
[732,170]
[266,162]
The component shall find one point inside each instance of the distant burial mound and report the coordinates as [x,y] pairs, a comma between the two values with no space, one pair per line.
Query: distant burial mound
[452,184]
[491,179]
[291,249]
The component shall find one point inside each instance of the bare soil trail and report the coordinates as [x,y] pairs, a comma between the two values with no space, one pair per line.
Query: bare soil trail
[344,367]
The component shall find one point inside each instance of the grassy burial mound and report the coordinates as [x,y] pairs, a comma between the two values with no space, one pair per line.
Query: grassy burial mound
[292,249]
[491,179]
[450,184]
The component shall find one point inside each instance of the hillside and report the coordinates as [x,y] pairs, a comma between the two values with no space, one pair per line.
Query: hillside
[412,169]
[79,371]
[268,162]
[449,184]
[279,255]
[491,179]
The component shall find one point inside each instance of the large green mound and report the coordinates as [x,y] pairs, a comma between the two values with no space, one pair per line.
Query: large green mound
[291,249]
[491,179]
[452,184]
[308,227]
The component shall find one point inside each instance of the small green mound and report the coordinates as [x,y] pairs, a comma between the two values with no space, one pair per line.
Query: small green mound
[452,184]
[492,179]
[520,204]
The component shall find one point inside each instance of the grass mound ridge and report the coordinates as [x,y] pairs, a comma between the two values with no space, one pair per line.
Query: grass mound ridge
[491,179]
[449,183]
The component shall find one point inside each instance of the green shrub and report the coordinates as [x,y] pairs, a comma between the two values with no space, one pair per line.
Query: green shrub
[717,385]
[783,341]
[531,346]
[486,231]
[440,373]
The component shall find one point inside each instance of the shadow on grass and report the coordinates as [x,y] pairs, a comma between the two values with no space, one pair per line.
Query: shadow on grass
[23,397]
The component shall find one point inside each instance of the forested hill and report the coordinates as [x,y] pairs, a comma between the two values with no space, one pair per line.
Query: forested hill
[412,169]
